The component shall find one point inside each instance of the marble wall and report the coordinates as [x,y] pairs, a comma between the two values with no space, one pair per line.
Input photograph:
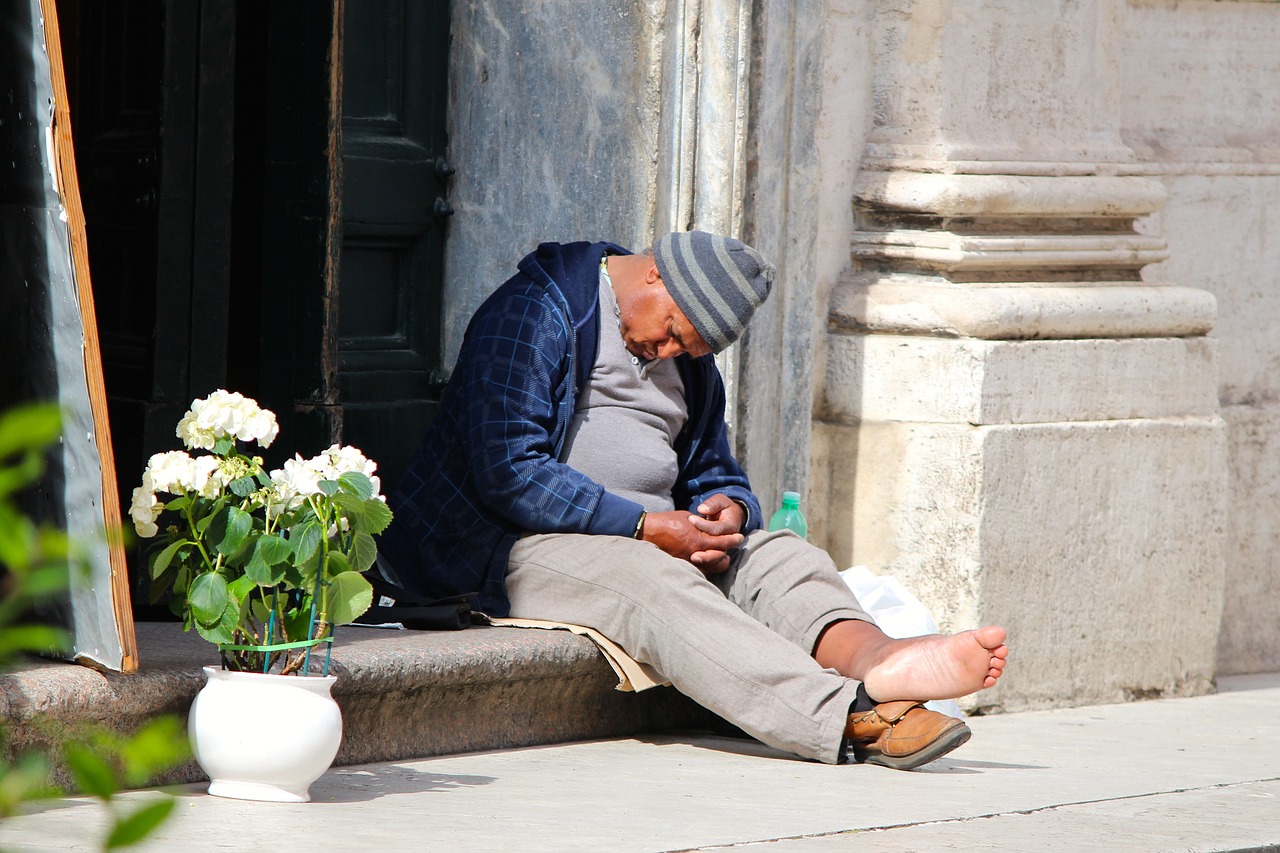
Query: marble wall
[554,116]
[1201,91]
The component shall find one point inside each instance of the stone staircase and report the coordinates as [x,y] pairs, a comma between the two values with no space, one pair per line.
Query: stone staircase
[403,694]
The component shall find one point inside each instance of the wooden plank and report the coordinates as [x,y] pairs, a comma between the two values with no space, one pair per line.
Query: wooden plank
[69,188]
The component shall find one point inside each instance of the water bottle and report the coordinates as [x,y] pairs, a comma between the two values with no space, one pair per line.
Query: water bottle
[789,517]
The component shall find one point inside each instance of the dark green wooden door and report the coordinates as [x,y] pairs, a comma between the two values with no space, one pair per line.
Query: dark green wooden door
[204,140]
[395,209]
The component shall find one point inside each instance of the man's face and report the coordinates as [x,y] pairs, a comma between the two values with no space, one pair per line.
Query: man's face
[653,326]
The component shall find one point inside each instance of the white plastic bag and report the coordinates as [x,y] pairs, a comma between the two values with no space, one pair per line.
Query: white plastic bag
[898,613]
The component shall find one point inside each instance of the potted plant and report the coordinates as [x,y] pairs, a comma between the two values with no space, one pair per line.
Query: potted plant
[264,565]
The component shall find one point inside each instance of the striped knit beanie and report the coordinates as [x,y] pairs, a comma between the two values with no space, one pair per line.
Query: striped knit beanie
[718,282]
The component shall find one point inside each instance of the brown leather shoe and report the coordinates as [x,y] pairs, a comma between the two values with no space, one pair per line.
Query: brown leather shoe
[903,735]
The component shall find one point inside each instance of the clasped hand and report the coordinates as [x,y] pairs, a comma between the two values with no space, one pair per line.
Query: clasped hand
[704,539]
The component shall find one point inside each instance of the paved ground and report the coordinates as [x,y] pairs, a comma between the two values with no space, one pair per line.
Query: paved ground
[1177,775]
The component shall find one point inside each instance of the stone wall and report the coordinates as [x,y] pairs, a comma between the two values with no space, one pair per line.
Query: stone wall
[1201,84]
[554,118]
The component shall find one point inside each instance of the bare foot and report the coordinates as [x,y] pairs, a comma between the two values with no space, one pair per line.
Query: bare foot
[935,666]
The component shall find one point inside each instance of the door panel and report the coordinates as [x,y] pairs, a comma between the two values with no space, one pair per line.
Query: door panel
[207,156]
[394,214]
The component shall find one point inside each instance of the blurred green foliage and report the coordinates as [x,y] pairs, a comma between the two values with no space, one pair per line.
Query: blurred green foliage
[35,568]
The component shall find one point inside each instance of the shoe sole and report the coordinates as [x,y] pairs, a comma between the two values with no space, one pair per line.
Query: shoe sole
[932,751]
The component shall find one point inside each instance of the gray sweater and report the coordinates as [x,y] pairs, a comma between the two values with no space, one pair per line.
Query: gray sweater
[627,419]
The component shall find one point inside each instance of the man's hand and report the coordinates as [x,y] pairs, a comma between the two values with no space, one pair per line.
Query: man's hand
[704,539]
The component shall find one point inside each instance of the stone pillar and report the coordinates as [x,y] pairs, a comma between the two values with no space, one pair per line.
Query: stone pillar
[702,143]
[1013,422]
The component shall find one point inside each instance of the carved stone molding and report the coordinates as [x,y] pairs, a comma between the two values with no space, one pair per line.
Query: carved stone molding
[1011,257]
[1021,311]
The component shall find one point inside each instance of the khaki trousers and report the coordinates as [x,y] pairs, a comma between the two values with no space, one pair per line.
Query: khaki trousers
[737,643]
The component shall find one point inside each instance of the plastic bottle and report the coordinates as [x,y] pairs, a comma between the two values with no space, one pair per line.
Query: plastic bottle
[789,517]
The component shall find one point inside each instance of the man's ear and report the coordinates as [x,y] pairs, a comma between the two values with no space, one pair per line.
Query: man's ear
[651,274]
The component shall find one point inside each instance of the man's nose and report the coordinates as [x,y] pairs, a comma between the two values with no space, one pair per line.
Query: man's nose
[669,348]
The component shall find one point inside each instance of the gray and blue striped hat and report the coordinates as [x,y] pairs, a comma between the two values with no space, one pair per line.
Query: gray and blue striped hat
[718,282]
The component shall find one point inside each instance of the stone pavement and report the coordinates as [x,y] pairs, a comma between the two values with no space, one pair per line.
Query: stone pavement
[1174,774]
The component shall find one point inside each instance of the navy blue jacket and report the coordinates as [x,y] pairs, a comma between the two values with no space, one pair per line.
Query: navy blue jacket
[488,469]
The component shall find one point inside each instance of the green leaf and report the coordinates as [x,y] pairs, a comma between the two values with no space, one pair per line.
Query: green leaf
[224,629]
[178,504]
[363,552]
[165,557]
[357,484]
[293,578]
[241,555]
[375,517]
[224,446]
[46,581]
[208,598]
[241,589]
[349,595]
[157,746]
[336,564]
[91,772]
[329,487]
[17,537]
[262,573]
[239,523]
[269,560]
[40,639]
[305,540]
[213,525]
[274,549]
[242,487]
[32,426]
[52,544]
[25,780]
[182,581]
[137,826]
[349,503]
[307,571]
[298,621]
[259,610]
[21,474]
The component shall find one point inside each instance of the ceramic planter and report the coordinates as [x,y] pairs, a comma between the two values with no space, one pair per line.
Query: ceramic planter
[264,737]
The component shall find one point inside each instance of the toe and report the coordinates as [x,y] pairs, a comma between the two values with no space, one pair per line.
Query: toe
[991,637]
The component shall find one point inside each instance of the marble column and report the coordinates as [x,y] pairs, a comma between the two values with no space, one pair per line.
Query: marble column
[1012,421]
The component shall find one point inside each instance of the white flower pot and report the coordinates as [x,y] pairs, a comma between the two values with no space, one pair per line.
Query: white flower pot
[264,737]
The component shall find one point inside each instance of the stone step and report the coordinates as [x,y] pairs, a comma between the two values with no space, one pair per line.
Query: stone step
[403,694]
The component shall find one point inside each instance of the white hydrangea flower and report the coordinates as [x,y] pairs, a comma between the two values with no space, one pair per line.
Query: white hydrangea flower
[259,425]
[209,476]
[336,461]
[294,482]
[226,413]
[173,472]
[192,436]
[145,509]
